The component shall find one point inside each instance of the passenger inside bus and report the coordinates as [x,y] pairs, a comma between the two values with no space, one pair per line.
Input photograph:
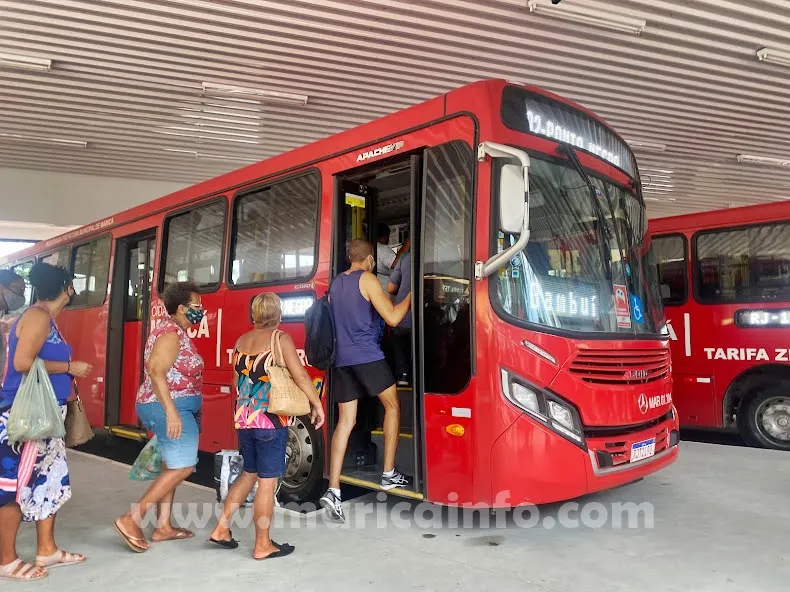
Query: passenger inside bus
[387,256]
[399,286]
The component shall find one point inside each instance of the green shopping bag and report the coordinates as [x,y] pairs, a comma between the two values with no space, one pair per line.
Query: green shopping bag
[148,464]
[35,413]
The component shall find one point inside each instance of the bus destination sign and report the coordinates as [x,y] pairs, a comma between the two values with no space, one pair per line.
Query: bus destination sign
[535,114]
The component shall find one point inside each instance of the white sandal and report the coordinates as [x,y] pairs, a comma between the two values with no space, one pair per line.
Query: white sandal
[59,559]
[21,571]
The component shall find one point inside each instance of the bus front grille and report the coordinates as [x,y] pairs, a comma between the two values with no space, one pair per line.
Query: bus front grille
[624,367]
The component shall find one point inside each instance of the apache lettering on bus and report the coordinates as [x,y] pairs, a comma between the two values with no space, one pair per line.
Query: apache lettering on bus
[379,151]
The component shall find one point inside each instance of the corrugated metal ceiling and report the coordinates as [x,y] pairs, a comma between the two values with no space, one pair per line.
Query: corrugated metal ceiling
[127,79]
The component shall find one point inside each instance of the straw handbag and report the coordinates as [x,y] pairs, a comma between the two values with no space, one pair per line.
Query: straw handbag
[285,397]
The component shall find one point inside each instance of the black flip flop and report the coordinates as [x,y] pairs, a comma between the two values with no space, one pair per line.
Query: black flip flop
[284,550]
[231,544]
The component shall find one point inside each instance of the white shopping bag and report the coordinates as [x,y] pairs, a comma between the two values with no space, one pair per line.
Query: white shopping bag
[228,465]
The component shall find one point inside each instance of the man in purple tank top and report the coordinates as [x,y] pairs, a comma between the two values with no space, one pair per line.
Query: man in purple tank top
[358,303]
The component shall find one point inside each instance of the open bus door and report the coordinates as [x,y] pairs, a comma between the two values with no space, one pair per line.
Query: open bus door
[129,327]
[387,192]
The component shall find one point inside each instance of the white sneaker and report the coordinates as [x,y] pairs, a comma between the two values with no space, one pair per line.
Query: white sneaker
[396,479]
[333,505]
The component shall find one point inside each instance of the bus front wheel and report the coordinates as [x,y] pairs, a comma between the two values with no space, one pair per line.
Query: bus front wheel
[304,481]
[764,417]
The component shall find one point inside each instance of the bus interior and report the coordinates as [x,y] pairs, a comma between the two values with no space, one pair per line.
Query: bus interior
[367,197]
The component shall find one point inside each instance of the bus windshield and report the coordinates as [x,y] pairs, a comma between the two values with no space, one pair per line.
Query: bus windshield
[586,265]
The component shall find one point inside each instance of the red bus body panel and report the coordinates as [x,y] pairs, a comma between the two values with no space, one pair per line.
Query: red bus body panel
[130,373]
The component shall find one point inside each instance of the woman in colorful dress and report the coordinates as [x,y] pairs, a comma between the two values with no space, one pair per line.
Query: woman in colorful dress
[168,404]
[34,476]
[262,435]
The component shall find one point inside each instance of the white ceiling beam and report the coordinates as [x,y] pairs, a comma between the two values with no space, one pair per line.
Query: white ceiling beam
[25,104]
[339,81]
[123,68]
[500,44]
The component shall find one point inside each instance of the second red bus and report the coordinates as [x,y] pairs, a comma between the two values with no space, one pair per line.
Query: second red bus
[725,282]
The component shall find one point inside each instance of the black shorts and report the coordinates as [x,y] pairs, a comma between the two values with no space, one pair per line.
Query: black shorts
[350,383]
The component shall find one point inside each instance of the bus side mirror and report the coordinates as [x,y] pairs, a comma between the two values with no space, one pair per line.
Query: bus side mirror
[513,202]
[512,198]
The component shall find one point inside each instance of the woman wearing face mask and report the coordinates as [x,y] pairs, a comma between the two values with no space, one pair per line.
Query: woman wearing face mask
[12,298]
[168,404]
[34,475]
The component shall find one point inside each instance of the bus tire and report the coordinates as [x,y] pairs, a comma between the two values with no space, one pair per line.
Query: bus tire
[304,481]
[764,416]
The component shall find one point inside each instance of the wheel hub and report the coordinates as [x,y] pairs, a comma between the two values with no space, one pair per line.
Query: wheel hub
[774,418]
[298,454]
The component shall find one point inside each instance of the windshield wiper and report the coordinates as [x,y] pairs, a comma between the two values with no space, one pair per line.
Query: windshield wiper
[625,256]
[617,230]
[606,249]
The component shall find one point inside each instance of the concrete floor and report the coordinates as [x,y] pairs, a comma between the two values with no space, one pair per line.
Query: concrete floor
[721,522]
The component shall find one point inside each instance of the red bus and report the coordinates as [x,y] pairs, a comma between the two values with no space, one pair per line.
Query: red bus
[725,283]
[541,371]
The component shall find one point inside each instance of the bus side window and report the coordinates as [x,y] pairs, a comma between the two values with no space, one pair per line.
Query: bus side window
[23,270]
[744,265]
[60,257]
[193,246]
[91,269]
[447,267]
[274,231]
[669,253]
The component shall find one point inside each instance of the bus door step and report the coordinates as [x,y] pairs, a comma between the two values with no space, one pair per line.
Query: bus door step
[127,432]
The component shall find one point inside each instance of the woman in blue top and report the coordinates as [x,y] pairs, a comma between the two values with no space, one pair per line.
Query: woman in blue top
[34,477]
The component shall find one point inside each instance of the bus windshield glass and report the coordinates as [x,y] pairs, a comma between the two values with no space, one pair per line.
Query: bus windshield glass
[586,265]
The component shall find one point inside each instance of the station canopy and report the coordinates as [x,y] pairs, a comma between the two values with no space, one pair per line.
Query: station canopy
[183,90]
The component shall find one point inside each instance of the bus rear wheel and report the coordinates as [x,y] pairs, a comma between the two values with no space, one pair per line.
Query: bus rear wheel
[304,471]
[764,418]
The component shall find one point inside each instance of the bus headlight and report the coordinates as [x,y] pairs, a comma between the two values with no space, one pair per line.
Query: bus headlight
[561,414]
[551,410]
[565,420]
[525,398]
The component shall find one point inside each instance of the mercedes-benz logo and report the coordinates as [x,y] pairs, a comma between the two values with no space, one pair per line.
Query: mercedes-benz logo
[642,401]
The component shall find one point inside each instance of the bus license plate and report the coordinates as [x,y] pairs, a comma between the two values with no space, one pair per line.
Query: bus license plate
[642,450]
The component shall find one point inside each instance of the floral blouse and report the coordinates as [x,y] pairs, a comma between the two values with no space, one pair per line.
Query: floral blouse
[185,377]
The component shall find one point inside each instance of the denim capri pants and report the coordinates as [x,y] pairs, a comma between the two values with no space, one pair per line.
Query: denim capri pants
[183,452]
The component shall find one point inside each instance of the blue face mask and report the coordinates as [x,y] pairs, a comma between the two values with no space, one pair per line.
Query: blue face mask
[194,316]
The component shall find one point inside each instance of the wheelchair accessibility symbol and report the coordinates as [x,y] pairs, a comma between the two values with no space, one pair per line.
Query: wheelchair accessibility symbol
[637,312]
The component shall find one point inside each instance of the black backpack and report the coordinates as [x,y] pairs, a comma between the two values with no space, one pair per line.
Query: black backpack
[319,324]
